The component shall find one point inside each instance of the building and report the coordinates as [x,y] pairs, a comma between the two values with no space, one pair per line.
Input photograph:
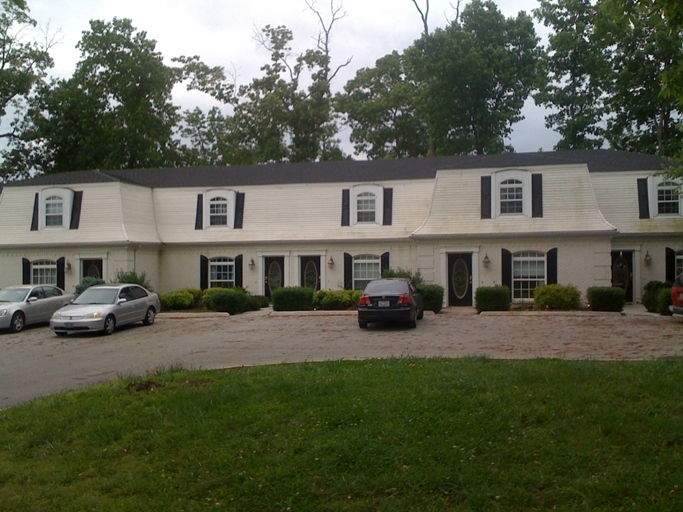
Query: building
[587,218]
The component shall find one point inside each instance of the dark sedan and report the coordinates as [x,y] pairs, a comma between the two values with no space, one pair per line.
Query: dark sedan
[390,300]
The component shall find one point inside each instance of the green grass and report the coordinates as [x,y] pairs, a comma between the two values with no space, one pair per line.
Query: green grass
[396,434]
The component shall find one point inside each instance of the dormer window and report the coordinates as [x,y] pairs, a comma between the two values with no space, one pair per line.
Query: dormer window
[56,208]
[54,211]
[511,196]
[367,205]
[668,199]
[220,208]
[218,211]
[512,192]
[658,196]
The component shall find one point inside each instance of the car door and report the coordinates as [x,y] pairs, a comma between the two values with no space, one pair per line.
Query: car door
[35,306]
[139,303]
[125,311]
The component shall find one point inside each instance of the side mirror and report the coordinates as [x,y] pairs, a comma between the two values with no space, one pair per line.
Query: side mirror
[121,301]
[32,299]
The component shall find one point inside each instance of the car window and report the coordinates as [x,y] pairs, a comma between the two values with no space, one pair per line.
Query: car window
[388,286]
[13,295]
[37,293]
[137,292]
[51,291]
[125,293]
[97,296]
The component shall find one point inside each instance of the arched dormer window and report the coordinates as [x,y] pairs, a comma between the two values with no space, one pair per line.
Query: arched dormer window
[55,207]
[218,211]
[668,198]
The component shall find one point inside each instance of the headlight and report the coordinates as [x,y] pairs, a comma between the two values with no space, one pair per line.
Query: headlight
[3,312]
[96,314]
[56,315]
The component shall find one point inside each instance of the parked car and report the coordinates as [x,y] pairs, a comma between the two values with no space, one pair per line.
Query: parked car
[390,300]
[30,304]
[677,296]
[105,307]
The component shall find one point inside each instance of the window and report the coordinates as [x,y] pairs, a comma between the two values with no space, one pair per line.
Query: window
[54,211]
[528,272]
[221,273]
[668,201]
[511,196]
[44,272]
[218,211]
[512,193]
[365,207]
[220,208]
[365,268]
[53,208]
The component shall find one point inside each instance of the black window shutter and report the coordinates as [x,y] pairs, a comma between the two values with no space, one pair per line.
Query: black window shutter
[486,197]
[506,271]
[238,270]
[239,210]
[203,272]
[537,195]
[199,219]
[60,273]
[388,206]
[384,262]
[346,207]
[551,262]
[348,271]
[643,201]
[36,209]
[670,264]
[25,270]
[76,211]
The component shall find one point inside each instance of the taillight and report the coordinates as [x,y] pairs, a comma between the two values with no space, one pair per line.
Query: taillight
[405,300]
[364,301]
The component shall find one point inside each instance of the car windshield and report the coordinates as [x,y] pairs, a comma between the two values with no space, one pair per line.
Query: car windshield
[13,294]
[97,296]
[386,287]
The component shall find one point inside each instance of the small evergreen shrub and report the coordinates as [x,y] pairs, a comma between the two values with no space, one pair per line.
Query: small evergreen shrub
[177,300]
[263,300]
[432,296]
[132,277]
[196,295]
[556,297]
[416,277]
[606,298]
[336,300]
[651,294]
[293,298]
[664,301]
[87,283]
[226,300]
[254,302]
[492,298]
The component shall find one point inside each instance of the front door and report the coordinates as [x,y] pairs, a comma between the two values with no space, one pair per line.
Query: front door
[460,279]
[274,277]
[622,272]
[310,272]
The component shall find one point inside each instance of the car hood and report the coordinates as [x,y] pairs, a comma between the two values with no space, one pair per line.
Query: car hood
[83,309]
[4,305]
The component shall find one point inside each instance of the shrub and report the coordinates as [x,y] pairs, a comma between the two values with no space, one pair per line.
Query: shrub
[416,278]
[651,294]
[254,302]
[132,277]
[492,298]
[293,298]
[179,299]
[664,301]
[87,283]
[226,300]
[263,300]
[432,296]
[557,297]
[196,295]
[336,300]
[606,298]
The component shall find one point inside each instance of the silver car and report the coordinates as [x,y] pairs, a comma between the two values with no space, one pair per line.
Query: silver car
[105,307]
[30,304]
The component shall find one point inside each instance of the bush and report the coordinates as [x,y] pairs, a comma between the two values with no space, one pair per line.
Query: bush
[132,277]
[293,298]
[416,278]
[557,297]
[606,298]
[432,296]
[664,301]
[226,300]
[179,299]
[87,283]
[337,300]
[196,295]
[492,298]
[263,300]
[651,294]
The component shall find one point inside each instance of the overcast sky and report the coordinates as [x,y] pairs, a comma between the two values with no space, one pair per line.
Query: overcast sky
[221,33]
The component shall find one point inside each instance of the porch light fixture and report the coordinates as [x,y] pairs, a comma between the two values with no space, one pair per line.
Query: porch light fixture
[330,264]
[648,258]
[486,261]
[252,264]
[67,267]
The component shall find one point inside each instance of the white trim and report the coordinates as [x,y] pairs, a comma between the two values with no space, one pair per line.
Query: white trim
[444,251]
[295,272]
[67,196]
[230,196]
[653,183]
[378,192]
[511,174]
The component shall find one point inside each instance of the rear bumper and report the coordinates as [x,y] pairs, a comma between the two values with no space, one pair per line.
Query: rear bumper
[386,315]
[676,310]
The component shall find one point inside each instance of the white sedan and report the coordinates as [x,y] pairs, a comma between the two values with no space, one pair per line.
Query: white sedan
[105,307]
[30,304]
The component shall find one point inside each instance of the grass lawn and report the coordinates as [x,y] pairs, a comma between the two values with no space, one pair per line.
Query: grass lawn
[395,434]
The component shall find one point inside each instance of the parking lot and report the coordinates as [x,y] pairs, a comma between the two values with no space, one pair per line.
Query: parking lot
[36,362]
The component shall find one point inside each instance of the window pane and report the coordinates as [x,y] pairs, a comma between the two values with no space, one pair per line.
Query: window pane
[667,198]
[365,269]
[44,272]
[365,207]
[218,211]
[54,207]
[221,273]
[528,272]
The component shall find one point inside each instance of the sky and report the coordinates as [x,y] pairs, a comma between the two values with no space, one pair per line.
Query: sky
[221,33]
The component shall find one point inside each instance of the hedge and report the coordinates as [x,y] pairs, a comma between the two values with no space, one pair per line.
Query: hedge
[606,298]
[651,294]
[336,300]
[432,296]
[492,298]
[179,299]
[664,301]
[293,298]
[556,297]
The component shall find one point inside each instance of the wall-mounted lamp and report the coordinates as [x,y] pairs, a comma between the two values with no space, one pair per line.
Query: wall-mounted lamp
[648,258]
[252,264]
[486,261]
[67,267]
[330,264]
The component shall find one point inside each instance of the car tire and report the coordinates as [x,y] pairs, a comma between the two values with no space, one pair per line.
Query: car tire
[421,314]
[18,322]
[413,323]
[149,316]
[109,325]
[362,324]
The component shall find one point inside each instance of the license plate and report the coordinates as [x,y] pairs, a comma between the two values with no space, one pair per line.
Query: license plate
[68,326]
[383,303]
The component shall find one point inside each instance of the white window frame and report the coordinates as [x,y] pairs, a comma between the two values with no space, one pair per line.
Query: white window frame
[357,193]
[44,272]
[674,201]
[653,187]
[231,198]
[214,280]
[362,271]
[47,196]
[498,182]
[527,280]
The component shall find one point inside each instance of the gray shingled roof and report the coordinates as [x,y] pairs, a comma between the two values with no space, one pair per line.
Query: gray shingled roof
[347,170]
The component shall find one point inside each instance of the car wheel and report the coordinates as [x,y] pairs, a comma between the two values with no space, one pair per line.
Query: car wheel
[149,317]
[60,333]
[362,324]
[413,323]
[18,322]
[421,314]
[109,325]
